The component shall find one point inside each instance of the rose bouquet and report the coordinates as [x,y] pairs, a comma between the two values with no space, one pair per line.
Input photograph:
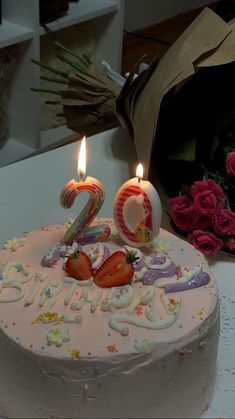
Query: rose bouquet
[203,212]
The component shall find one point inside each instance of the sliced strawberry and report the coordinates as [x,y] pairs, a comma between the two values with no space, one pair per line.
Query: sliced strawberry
[117,270]
[79,266]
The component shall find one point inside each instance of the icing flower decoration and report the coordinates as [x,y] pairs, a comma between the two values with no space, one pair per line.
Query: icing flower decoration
[145,344]
[47,317]
[75,354]
[58,336]
[160,246]
[14,244]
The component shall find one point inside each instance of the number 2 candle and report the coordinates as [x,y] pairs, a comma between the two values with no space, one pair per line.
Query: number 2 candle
[137,211]
[80,230]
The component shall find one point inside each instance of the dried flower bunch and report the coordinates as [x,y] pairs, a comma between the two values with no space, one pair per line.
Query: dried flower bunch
[204,211]
[87,94]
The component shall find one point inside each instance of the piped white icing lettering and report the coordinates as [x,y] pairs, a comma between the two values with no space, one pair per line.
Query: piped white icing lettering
[39,278]
[11,284]
[48,296]
[96,300]
[117,319]
[11,269]
[81,301]
[10,279]
[120,298]
[73,285]
[147,295]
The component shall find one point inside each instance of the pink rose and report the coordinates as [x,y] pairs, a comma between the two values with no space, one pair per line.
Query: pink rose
[230,243]
[207,203]
[230,163]
[224,222]
[203,221]
[206,242]
[207,185]
[180,202]
[183,213]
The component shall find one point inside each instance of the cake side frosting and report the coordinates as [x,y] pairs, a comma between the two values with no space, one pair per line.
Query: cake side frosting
[166,318]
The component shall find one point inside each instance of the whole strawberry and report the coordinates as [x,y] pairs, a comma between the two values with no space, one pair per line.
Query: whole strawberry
[116,271]
[79,266]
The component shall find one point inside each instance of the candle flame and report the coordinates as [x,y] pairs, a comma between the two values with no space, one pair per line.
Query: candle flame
[82,159]
[140,171]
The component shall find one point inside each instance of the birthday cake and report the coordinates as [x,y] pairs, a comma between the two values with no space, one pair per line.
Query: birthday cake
[94,330]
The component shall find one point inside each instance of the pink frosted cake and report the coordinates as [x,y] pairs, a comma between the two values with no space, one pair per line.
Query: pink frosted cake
[73,349]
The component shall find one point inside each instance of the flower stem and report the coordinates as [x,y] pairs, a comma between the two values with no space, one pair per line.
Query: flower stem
[72,64]
[49,68]
[54,80]
[83,60]
[45,91]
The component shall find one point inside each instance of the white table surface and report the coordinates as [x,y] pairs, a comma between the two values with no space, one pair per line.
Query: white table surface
[29,198]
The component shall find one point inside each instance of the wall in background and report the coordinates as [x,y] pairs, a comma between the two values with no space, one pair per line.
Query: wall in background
[143,13]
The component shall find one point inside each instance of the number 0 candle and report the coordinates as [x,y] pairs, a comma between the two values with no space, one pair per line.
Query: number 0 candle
[137,211]
[79,229]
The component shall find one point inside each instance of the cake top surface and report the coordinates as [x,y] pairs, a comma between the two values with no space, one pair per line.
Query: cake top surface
[44,310]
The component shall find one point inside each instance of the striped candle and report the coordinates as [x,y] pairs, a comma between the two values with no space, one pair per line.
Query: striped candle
[137,212]
[96,199]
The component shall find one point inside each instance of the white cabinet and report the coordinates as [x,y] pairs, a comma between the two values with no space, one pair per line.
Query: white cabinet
[20,25]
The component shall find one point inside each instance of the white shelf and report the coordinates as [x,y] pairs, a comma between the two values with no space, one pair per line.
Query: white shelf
[82,11]
[11,33]
[14,148]
[104,21]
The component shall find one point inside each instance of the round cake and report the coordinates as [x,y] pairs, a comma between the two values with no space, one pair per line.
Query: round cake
[140,343]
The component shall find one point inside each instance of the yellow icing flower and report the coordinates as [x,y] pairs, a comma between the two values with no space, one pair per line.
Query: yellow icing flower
[48,317]
[58,336]
[75,353]
[14,244]
[160,246]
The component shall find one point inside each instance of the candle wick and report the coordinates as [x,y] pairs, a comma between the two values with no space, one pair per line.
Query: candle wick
[138,179]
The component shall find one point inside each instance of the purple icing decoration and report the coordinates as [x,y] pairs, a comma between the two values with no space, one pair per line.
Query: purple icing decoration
[153,274]
[202,278]
[48,263]
[57,254]
[139,265]
[157,260]
[106,252]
